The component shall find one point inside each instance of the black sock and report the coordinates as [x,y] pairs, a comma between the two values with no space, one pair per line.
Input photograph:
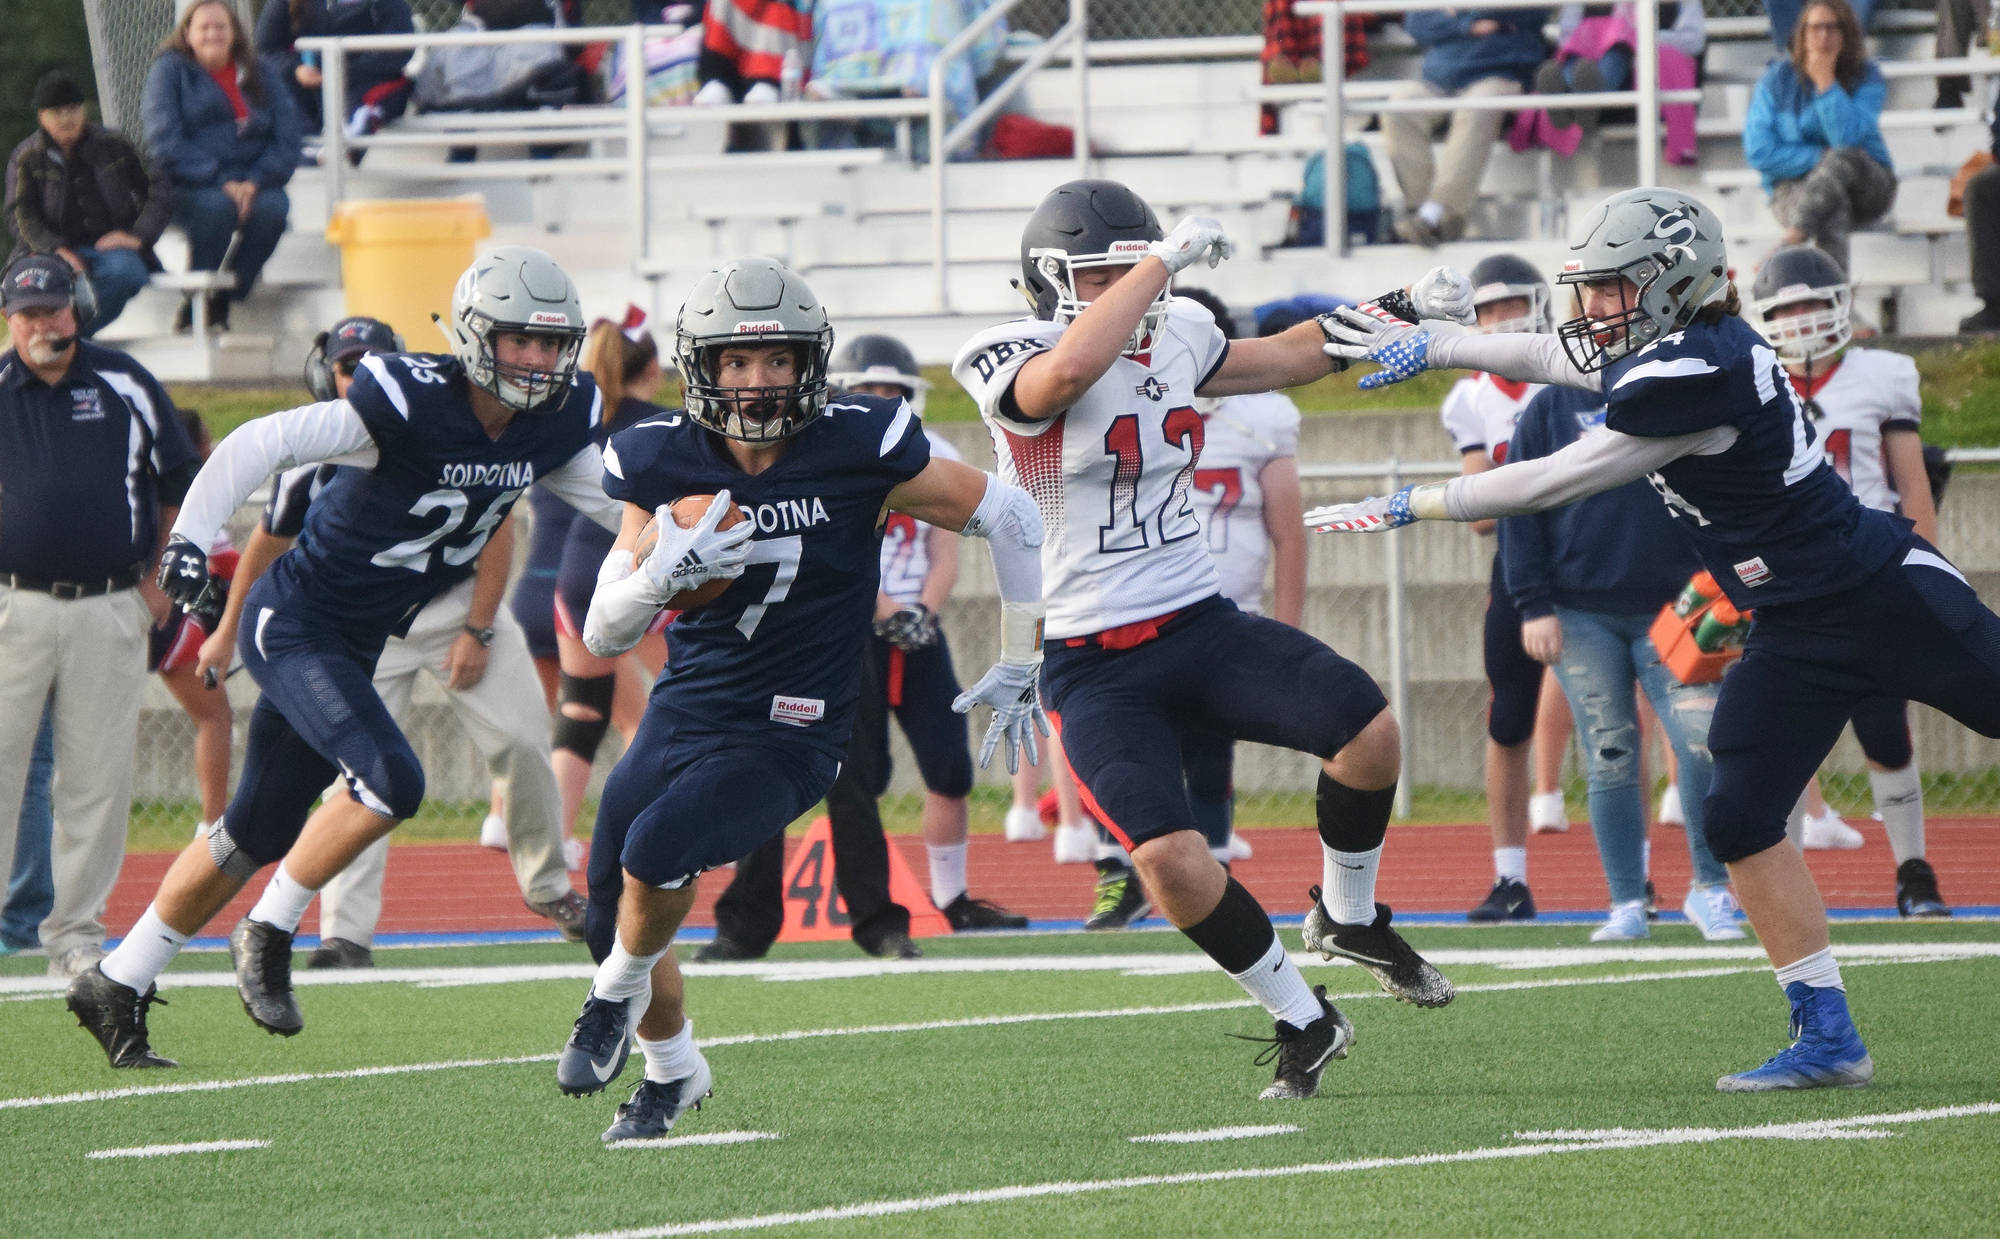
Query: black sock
[1237,933]
[1350,820]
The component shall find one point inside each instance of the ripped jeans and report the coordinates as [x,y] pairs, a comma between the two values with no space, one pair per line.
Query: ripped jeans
[1602,656]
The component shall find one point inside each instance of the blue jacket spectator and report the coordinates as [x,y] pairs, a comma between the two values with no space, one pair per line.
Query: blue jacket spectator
[1814,132]
[1478,53]
[222,127]
[1459,51]
[377,91]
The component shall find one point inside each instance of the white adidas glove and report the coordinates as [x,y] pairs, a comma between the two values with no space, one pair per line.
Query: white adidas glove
[685,559]
[1192,238]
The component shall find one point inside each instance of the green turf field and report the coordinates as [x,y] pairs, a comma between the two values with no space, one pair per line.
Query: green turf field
[997,1086]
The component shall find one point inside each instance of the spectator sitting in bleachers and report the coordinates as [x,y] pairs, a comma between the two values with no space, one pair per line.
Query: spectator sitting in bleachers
[1596,53]
[1814,132]
[377,91]
[1292,51]
[1477,53]
[744,47]
[222,127]
[1982,235]
[1959,24]
[85,194]
[884,48]
[1785,16]
[504,77]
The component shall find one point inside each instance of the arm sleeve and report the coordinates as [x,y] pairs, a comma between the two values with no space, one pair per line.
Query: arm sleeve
[1597,462]
[1525,357]
[1012,527]
[332,432]
[621,608]
[580,484]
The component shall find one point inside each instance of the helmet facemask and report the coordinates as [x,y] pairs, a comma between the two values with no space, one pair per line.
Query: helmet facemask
[755,415]
[1814,335]
[1594,343]
[1060,268]
[525,389]
[1537,320]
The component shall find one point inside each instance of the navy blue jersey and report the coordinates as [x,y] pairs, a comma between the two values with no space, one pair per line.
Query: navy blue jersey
[1772,520]
[781,649]
[377,544]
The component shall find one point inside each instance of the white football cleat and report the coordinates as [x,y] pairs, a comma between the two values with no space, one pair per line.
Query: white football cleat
[1024,825]
[1546,815]
[493,833]
[1830,833]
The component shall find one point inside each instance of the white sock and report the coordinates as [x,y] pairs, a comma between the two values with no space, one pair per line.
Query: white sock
[1431,213]
[625,975]
[947,871]
[1511,864]
[671,1059]
[1646,857]
[145,953]
[1276,982]
[1348,881]
[283,902]
[1819,970]
[1899,798]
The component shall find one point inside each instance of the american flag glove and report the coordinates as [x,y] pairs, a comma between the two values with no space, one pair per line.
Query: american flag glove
[1373,515]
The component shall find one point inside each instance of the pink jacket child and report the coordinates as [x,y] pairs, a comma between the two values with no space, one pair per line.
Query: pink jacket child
[1592,38]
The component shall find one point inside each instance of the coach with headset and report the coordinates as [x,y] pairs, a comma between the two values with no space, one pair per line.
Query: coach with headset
[93,465]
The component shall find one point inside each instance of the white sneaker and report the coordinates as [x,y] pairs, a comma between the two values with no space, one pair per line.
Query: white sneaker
[1627,923]
[1714,911]
[493,833]
[1239,847]
[1670,807]
[1024,824]
[1829,833]
[1076,845]
[572,853]
[1546,815]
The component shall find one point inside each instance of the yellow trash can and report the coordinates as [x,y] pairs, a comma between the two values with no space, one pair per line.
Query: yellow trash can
[400,259]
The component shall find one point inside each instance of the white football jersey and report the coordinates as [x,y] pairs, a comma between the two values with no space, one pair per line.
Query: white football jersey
[1480,411]
[1870,391]
[906,541]
[1243,434]
[1111,474]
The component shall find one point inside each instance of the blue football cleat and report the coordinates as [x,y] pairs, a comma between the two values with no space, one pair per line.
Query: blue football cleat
[598,1046]
[654,1106]
[1825,1052]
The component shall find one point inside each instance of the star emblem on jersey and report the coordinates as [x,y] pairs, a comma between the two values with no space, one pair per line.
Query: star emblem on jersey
[1152,389]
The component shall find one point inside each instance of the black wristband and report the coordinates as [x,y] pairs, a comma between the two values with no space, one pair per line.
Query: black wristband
[482,635]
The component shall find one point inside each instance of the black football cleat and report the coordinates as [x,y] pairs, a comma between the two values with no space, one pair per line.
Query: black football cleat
[725,950]
[116,1015]
[262,955]
[1509,900]
[965,912]
[1917,891]
[1302,1053]
[340,953]
[892,946]
[654,1106]
[598,1045]
[1121,899]
[1398,969]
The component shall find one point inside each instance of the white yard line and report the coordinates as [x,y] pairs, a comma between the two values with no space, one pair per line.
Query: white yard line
[1215,1134]
[677,1142]
[172,1150]
[1621,1139]
[1168,964]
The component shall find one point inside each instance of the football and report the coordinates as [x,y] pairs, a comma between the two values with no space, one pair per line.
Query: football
[687,512]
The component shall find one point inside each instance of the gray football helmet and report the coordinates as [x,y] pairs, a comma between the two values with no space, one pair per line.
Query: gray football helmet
[1668,245]
[753,301]
[1084,224]
[1803,273]
[515,288]
[1503,277]
[879,359]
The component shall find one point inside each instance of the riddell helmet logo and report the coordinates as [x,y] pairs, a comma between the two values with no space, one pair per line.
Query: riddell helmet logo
[548,318]
[762,326]
[1128,247]
[1573,264]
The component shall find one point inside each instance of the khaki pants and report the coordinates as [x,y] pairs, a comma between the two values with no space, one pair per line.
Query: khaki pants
[92,653]
[1452,181]
[508,720]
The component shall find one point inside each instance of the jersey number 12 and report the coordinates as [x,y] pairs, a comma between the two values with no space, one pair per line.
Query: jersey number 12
[1174,519]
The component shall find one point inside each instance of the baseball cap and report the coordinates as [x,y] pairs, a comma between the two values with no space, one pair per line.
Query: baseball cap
[37,281]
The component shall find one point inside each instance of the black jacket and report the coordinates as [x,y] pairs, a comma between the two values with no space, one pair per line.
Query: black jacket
[138,199]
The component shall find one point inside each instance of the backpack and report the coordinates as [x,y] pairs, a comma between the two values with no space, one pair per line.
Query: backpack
[1364,200]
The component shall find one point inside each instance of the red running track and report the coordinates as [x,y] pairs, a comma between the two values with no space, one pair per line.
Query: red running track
[455,888]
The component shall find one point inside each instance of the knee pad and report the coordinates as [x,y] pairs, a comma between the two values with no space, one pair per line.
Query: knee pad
[581,736]
[226,856]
